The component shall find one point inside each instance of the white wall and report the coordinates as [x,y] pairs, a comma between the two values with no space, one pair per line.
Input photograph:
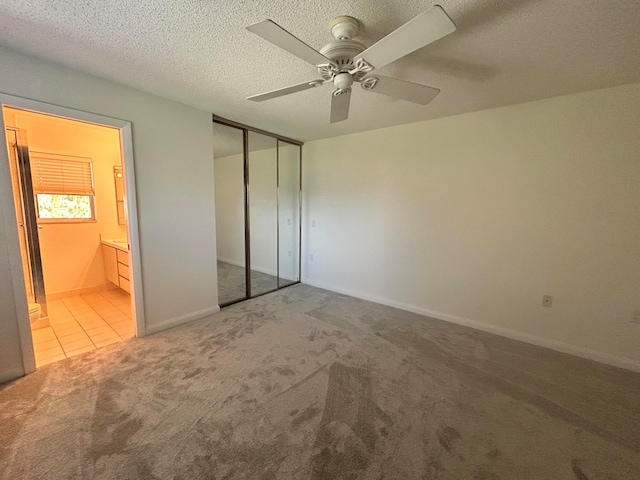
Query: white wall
[229,188]
[10,349]
[473,218]
[263,217]
[174,174]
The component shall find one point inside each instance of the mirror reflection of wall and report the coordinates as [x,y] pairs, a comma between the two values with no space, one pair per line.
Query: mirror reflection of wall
[119,181]
[263,212]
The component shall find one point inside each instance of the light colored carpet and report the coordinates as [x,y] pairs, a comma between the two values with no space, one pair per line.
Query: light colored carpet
[307,384]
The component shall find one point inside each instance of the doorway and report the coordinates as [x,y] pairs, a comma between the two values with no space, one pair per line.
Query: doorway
[72,211]
[258,210]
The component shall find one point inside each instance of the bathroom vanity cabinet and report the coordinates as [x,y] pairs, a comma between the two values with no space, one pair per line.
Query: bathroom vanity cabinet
[116,266]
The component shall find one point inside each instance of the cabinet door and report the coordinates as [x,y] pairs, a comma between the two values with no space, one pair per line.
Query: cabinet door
[110,263]
[125,285]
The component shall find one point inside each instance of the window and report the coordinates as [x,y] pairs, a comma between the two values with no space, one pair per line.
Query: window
[63,187]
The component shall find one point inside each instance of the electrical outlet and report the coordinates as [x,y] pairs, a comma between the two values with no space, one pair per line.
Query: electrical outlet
[311,257]
[547,300]
[313,223]
[289,253]
[635,317]
[288,221]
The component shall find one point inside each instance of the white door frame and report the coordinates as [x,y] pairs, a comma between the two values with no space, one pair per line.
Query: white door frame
[9,215]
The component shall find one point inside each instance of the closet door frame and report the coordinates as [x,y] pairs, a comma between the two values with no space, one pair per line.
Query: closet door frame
[247,220]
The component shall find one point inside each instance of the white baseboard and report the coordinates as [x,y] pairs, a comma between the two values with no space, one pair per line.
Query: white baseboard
[11,374]
[575,350]
[182,319]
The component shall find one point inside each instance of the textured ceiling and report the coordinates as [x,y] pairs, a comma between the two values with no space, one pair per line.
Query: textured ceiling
[199,52]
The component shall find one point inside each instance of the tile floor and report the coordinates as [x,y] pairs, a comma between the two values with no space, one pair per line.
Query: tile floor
[83,323]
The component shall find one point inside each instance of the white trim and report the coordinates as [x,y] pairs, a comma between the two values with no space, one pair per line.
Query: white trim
[133,232]
[6,198]
[11,374]
[575,350]
[182,319]
[15,261]
[104,287]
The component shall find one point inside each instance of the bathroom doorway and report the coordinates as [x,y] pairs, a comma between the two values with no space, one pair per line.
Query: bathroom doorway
[71,195]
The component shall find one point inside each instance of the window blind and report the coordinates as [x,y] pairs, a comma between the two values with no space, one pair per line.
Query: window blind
[61,176]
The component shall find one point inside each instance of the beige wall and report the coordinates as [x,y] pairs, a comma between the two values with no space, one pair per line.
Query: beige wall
[71,253]
[473,218]
[174,179]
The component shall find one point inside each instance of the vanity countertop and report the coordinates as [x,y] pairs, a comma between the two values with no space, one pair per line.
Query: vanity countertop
[119,243]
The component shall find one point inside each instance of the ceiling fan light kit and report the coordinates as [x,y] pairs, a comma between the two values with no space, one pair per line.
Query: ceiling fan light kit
[346,61]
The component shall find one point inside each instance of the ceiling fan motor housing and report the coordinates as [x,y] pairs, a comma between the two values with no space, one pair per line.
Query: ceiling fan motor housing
[343,49]
[340,52]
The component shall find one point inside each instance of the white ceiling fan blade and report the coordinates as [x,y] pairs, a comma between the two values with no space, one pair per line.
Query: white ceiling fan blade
[285,91]
[274,33]
[340,106]
[424,29]
[392,87]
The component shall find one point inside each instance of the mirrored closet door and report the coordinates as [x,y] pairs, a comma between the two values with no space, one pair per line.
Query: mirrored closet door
[228,171]
[257,193]
[263,212]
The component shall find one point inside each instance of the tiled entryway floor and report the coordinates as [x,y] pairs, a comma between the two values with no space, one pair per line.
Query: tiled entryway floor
[83,323]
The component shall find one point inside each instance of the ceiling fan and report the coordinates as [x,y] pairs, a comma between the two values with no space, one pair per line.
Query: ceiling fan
[345,61]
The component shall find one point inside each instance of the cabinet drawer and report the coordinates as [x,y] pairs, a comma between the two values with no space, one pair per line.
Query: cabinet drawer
[123,257]
[125,285]
[123,270]
[110,263]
